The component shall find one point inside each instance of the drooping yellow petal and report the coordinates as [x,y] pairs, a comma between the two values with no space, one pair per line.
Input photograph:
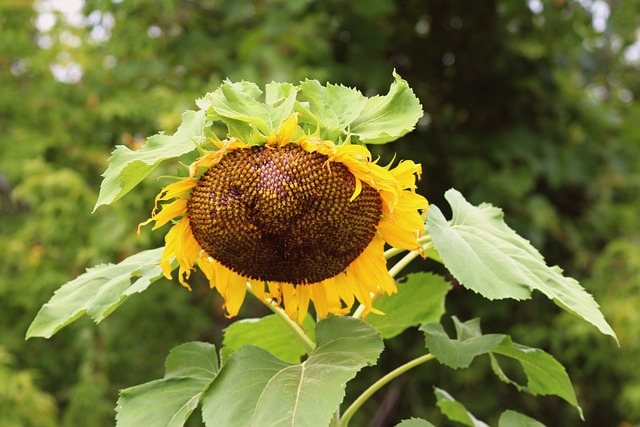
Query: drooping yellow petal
[170,211]
[180,243]
[207,266]
[290,299]
[304,295]
[319,299]
[344,287]
[236,291]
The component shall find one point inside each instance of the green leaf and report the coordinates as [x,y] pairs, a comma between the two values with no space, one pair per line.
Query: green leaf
[511,418]
[255,388]
[457,353]
[455,410]
[247,118]
[98,292]
[545,375]
[415,422]
[190,368]
[488,257]
[419,299]
[269,333]
[386,118]
[330,109]
[127,167]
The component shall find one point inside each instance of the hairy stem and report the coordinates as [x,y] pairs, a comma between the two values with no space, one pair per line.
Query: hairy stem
[346,417]
[297,330]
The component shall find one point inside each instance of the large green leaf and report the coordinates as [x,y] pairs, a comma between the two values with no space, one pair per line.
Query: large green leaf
[127,167]
[255,388]
[545,375]
[488,257]
[168,402]
[511,418]
[420,299]
[386,118]
[269,333]
[98,292]
[455,410]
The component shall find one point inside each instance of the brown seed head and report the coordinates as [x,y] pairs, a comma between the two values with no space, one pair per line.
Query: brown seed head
[282,214]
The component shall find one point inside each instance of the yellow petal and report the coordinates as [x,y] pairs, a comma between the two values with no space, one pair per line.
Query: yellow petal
[236,291]
[319,299]
[285,131]
[304,295]
[207,266]
[170,211]
[290,300]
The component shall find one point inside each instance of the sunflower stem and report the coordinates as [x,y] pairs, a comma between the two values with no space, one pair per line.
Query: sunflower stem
[297,330]
[390,253]
[404,261]
[346,417]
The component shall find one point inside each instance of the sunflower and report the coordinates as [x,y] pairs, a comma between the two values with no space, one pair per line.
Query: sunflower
[297,221]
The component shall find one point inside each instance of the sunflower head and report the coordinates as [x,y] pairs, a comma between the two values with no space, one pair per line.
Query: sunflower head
[296,220]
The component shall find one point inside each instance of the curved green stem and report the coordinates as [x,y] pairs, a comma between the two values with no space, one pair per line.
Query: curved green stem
[346,417]
[297,330]
[390,253]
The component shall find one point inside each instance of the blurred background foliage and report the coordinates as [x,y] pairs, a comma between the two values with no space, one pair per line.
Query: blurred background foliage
[530,105]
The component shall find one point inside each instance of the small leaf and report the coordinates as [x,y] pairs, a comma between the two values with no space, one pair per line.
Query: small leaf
[254,388]
[488,257]
[98,292]
[457,353]
[419,299]
[269,333]
[190,368]
[415,422]
[127,167]
[386,118]
[545,375]
[455,410]
[511,418]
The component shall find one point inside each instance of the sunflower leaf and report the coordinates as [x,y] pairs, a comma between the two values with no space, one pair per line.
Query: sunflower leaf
[329,109]
[127,167]
[269,333]
[511,418]
[386,118]
[455,410]
[419,299]
[98,292]
[256,388]
[190,368]
[414,422]
[488,257]
[545,375]
[247,118]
